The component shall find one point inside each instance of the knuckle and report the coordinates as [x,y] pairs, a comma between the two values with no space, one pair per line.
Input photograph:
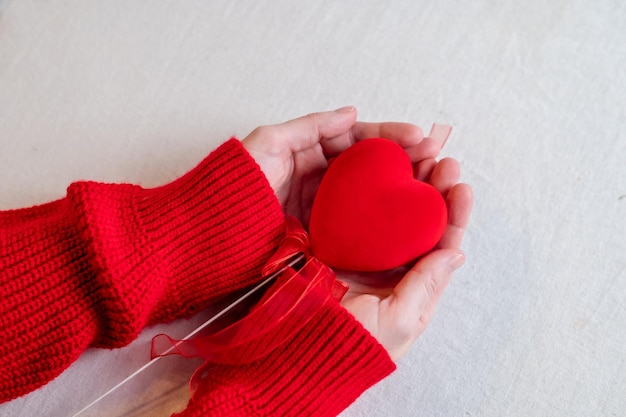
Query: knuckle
[262,132]
[269,137]
[312,121]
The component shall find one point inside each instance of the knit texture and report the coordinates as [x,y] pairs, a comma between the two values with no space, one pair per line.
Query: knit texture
[322,369]
[96,267]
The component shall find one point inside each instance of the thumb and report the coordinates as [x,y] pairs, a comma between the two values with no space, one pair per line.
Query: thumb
[422,285]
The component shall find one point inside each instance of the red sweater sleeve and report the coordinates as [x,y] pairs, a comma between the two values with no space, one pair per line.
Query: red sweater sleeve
[322,369]
[94,268]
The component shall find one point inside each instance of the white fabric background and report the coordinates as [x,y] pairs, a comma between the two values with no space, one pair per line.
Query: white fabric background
[534,324]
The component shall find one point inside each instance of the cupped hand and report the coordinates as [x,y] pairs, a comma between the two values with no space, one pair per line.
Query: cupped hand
[294,155]
[394,306]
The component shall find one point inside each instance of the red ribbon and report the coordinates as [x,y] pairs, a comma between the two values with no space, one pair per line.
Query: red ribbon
[291,301]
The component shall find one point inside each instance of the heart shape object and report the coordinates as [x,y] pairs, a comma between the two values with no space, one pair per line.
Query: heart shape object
[371,214]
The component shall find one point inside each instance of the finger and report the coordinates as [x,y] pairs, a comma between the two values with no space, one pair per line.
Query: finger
[445,175]
[404,134]
[423,284]
[429,311]
[307,131]
[333,146]
[423,169]
[407,135]
[440,133]
[417,149]
[427,148]
[459,201]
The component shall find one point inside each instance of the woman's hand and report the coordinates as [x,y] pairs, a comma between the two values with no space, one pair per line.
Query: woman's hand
[396,306]
[294,157]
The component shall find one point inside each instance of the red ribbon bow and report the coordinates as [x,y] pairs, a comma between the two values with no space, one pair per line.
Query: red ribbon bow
[285,308]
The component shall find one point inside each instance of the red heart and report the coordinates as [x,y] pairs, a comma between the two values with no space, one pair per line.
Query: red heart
[370,214]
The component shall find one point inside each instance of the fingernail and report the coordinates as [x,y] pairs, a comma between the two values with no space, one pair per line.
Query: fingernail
[440,133]
[346,109]
[456,261]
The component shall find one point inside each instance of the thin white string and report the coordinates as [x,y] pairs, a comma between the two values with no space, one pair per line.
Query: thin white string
[190,335]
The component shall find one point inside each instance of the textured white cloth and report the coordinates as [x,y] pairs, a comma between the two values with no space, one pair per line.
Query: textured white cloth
[533,325]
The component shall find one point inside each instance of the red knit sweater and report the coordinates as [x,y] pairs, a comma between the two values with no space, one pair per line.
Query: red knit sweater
[93,269]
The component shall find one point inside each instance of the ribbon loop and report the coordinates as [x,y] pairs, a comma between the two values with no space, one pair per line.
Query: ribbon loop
[295,242]
[293,299]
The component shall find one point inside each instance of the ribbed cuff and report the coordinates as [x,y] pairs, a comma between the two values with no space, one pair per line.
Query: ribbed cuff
[325,367]
[163,253]
[94,268]
[213,229]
